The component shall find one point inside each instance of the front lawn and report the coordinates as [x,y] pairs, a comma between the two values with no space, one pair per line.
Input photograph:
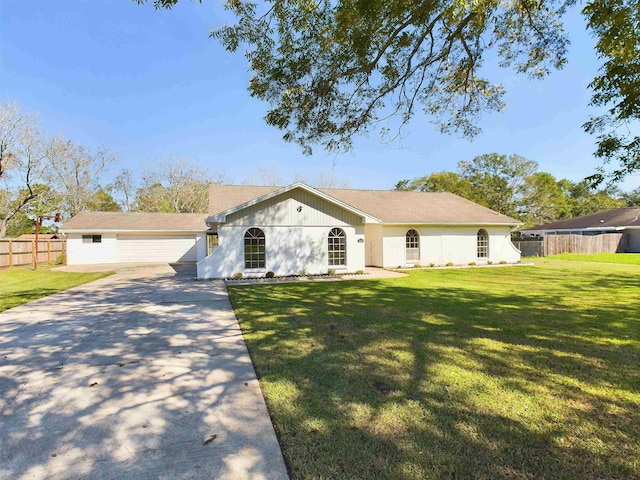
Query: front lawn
[626,258]
[505,373]
[20,285]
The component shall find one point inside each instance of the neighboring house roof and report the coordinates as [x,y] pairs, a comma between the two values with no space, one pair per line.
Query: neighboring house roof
[136,221]
[389,206]
[613,219]
[41,236]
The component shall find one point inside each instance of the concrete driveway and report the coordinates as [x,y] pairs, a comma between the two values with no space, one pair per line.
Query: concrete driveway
[142,375]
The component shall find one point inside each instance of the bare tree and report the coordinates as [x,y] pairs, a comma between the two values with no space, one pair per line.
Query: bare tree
[76,171]
[13,124]
[124,184]
[175,186]
[266,176]
[27,163]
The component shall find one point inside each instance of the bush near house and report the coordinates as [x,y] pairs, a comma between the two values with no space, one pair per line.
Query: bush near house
[516,373]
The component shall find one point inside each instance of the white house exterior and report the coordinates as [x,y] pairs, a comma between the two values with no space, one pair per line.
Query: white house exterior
[114,237]
[299,229]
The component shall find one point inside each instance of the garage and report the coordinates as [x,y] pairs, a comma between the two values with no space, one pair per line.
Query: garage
[156,248]
[135,237]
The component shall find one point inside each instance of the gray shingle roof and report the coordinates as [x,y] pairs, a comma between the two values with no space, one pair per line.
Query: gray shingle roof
[389,206]
[615,217]
[137,221]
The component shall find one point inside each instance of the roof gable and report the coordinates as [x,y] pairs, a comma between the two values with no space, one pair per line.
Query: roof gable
[221,216]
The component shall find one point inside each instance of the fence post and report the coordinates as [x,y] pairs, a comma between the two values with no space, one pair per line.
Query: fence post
[48,251]
[10,253]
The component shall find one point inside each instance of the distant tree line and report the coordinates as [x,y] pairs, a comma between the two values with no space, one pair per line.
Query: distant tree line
[41,174]
[513,185]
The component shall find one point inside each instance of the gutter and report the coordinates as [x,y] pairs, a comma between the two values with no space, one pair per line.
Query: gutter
[107,230]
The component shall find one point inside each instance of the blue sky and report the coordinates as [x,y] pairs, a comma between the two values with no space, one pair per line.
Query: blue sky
[150,84]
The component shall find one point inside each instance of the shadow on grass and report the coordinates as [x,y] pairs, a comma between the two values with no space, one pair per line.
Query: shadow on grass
[420,379]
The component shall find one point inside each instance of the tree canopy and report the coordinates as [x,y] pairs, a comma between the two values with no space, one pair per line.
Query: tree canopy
[332,69]
[513,185]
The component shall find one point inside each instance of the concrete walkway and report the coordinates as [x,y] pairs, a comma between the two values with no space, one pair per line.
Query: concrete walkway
[142,375]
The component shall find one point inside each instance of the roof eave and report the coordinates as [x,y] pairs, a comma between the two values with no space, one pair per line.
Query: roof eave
[502,224]
[122,230]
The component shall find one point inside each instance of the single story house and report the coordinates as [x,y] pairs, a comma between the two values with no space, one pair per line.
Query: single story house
[115,237]
[296,229]
[625,220]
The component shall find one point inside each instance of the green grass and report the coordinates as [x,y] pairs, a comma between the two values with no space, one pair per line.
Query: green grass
[511,373]
[20,285]
[626,258]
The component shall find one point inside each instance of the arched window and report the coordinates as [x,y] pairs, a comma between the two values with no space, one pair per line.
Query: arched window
[483,243]
[337,247]
[254,248]
[413,246]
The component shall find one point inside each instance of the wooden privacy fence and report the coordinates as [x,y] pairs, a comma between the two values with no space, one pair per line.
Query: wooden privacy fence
[15,252]
[604,243]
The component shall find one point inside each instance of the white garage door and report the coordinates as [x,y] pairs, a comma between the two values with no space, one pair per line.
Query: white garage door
[156,248]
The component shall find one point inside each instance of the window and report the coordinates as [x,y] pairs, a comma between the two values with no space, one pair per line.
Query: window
[413,246]
[337,247]
[254,248]
[212,242]
[91,238]
[483,243]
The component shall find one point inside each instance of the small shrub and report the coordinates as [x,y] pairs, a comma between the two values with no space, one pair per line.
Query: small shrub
[489,262]
[303,272]
[61,259]
[472,264]
[359,272]
[503,262]
[399,267]
[417,265]
[270,274]
[331,271]
[432,265]
[449,264]
[237,275]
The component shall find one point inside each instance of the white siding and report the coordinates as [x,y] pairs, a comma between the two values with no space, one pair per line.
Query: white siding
[294,208]
[127,248]
[296,226]
[80,253]
[288,251]
[373,243]
[156,248]
[441,245]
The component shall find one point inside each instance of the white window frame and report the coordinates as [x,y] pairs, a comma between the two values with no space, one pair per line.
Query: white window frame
[255,257]
[482,243]
[337,248]
[412,246]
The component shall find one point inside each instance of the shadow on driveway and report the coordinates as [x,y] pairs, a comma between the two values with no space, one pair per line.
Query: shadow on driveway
[143,374]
